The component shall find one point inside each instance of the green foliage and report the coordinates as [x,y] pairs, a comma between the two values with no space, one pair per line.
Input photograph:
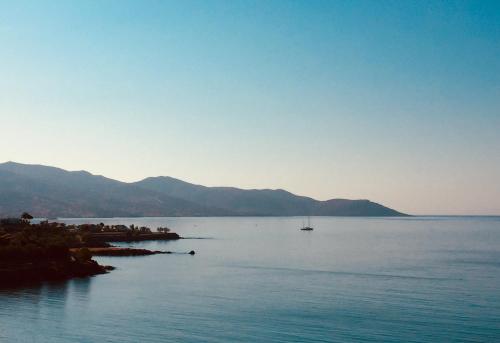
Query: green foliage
[21,240]
[40,241]
[26,216]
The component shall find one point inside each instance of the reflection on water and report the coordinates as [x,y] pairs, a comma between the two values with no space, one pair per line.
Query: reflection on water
[263,280]
[37,312]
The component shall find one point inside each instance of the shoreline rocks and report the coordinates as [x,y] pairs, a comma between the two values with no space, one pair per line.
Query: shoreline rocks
[102,239]
[14,272]
[124,251]
[120,251]
[46,251]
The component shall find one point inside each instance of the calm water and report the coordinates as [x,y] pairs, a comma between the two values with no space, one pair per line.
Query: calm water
[263,280]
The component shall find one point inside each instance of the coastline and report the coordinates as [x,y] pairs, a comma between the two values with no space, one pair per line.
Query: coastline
[32,253]
[22,272]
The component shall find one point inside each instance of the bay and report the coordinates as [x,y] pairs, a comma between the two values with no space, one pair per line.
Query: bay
[255,279]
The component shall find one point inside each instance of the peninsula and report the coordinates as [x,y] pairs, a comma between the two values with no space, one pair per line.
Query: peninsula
[54,251]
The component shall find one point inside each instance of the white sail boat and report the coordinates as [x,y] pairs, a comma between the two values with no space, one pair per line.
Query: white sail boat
[307,227]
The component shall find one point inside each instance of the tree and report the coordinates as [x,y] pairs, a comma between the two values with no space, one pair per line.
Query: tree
[26,216]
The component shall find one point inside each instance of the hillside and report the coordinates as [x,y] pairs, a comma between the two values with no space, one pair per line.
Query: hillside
[49,192]
[263,202]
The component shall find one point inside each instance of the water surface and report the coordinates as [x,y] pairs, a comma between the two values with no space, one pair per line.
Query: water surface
[424,279]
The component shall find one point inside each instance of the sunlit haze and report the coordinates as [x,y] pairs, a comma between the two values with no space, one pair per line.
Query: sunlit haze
[396,102]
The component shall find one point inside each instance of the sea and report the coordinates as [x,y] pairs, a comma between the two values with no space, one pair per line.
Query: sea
[262,279]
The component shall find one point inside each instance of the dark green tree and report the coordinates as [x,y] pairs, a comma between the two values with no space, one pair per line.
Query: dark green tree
[26,216]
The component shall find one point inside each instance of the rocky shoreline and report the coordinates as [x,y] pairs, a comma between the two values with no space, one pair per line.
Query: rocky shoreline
[121,251]
[15,272]
[54,251]
[102,239]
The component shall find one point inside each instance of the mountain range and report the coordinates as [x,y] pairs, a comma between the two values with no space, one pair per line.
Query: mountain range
[47,191]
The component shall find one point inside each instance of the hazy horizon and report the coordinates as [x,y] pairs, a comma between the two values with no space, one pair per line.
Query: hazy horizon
[395,102]
[272,188]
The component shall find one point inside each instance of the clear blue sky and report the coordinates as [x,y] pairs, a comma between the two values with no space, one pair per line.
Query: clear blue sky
[394,101]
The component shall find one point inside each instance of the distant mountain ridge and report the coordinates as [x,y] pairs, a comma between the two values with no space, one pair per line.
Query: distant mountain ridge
[53,192]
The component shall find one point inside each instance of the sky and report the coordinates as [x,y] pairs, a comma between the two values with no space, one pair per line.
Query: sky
[393,101]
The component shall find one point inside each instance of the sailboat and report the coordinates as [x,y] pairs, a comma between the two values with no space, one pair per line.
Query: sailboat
[308,227]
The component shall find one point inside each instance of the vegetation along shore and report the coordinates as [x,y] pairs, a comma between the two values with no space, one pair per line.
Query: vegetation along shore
[34,252]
